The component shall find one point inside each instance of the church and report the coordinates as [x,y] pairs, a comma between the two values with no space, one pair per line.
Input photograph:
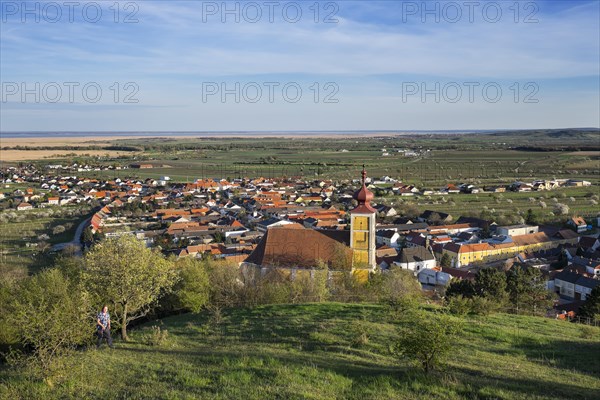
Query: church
[294,249]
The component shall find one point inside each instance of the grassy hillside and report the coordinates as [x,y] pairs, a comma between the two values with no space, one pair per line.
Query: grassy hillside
[311,351]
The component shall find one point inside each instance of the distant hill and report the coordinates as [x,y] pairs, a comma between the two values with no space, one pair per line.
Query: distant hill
[310,351]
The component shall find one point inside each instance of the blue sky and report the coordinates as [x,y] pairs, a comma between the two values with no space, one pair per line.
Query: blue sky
[543,56]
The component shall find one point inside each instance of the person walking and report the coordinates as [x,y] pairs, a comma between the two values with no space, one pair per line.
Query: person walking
[103,327]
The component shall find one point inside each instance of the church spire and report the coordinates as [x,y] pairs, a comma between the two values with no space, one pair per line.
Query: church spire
[364,196]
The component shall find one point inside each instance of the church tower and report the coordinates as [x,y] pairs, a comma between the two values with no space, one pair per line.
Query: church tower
[362,228]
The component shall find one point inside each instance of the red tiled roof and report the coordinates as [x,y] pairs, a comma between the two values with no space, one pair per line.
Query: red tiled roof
[293,245]
[578,221]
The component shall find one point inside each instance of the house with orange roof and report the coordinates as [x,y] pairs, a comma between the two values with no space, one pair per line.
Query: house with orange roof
[236,224]
[181,228]
[24,206]
[206,184]
[96,222]
[198,250]
[578,224]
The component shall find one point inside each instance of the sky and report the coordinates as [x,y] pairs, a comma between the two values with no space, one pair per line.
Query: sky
[298,65]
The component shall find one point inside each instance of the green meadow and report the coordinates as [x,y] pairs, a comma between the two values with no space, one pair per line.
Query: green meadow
[320,351]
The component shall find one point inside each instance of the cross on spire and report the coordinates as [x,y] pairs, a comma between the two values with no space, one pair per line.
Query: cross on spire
[364,175]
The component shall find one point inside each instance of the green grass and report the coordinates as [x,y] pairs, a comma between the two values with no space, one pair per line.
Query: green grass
[307,352]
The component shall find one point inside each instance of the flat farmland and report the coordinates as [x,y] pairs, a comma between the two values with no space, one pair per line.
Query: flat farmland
[27,155]
[431,169]
[481,159]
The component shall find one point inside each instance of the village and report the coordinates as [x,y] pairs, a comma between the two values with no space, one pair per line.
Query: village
[300,200]
[229,218]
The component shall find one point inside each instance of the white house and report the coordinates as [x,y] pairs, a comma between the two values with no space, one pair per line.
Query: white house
[387,237]
[416,258]
[516,230]
[271,223]
[564,284]
[573,285]
[578,224]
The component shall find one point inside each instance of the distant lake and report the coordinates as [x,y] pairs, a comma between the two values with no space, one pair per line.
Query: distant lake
[38,134]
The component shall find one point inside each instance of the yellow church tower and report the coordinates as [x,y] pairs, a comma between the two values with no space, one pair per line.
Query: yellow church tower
[362,228]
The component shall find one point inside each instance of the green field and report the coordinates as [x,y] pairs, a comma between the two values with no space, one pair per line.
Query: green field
[310,351]
[432,170]
[499,158]
[16,258]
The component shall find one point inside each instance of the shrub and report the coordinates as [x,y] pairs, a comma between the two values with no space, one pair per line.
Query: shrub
[58,229]
[216,314]
[397,288]
[561,209]
[483,306]
[360,332]
[589,332]
[426,339]
[156,337]
[32,301]
[310,288]
[463,287]
[192,290]
[459,305]
[272,288]
[225,289]
[591,308]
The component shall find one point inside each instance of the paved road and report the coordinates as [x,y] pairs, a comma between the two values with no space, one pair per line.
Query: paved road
[76,239]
